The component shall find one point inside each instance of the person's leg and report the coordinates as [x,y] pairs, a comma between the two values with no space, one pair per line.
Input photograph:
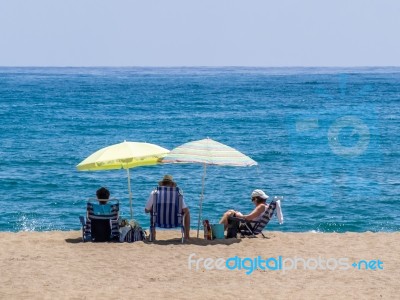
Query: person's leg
[153,234]
[224,219]
[186,211]
[152,229]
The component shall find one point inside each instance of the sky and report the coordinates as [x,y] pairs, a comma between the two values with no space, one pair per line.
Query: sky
[264,33]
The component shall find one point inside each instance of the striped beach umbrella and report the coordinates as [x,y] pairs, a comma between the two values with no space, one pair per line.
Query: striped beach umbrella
[207,152]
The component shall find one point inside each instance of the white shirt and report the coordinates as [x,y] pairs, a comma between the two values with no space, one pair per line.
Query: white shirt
[149,203]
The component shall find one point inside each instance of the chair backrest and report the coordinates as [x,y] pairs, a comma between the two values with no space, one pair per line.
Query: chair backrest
[102,221]
[167,207]
[260,225]
[103,211]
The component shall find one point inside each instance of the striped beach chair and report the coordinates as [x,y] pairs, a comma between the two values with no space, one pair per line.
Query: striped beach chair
[167,210]
[253,228]
[101,224]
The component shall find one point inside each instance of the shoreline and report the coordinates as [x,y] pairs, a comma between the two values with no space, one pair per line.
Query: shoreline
[57,264]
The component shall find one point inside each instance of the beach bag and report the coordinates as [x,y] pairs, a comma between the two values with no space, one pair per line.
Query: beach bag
[135,234]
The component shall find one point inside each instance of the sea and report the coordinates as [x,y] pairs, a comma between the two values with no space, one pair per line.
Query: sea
[325,139]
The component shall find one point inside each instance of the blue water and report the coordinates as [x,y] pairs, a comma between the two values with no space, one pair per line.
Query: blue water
[325,139]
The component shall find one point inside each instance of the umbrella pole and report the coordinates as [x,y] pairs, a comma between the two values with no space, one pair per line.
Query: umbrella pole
[201,200]
[130,193]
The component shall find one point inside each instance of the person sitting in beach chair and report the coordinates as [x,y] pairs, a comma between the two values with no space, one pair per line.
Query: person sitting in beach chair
[253,223]
[167,208]
[101,224]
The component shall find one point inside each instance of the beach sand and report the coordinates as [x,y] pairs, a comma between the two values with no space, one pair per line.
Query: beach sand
[57,265]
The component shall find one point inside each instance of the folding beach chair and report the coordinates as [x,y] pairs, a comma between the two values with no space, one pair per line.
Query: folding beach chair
[252,228]
[101,224]
[167,210]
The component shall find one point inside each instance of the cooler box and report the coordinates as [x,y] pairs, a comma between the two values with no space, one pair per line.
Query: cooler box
[217,231]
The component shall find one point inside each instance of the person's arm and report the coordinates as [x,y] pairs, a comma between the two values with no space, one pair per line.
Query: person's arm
[149,203]
[184,206]
[255,213]
[238,214]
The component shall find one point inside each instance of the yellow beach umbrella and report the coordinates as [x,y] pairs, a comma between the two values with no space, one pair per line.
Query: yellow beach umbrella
[124,155]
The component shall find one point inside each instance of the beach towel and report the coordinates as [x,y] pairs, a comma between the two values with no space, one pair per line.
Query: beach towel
[279,213]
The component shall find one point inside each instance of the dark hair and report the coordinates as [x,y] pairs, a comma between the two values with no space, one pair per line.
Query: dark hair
[259,200]
[167,183]
[102,193]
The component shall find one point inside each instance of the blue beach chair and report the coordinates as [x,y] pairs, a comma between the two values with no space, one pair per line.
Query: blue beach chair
[167,210]
[252,228]
[101,224]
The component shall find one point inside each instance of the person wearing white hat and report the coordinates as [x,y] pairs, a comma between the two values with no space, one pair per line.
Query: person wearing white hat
[259,198]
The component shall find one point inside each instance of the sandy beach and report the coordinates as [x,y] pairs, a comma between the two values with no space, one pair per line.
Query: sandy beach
[57,265]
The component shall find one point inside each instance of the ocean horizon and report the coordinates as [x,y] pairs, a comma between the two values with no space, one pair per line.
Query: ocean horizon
[325,138]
